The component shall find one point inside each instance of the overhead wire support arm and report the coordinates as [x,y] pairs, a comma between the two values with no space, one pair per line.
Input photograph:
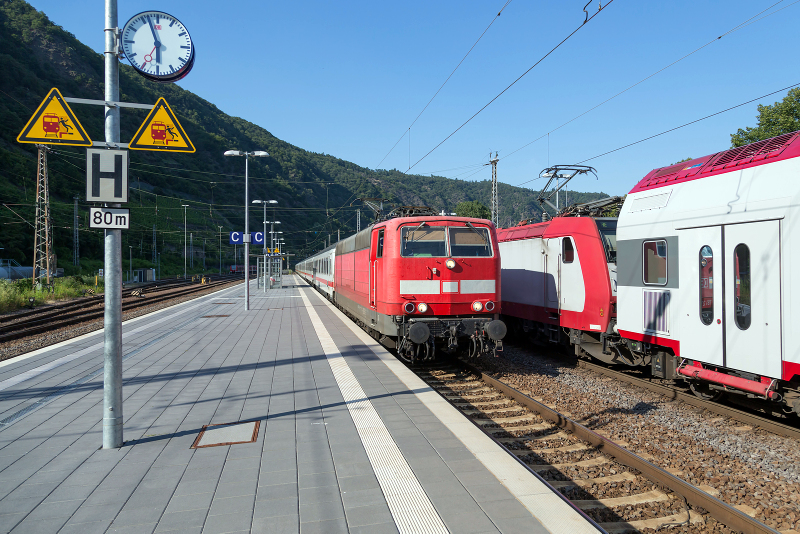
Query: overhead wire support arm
[560,172]
[373,203]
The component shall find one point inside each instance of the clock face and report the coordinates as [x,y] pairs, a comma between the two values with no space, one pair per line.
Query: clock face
[158,46]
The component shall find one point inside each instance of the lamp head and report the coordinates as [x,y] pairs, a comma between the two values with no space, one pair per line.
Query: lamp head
[260,154]
[234,153]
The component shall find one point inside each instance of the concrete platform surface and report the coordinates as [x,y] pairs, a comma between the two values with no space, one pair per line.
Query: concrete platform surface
[347,440]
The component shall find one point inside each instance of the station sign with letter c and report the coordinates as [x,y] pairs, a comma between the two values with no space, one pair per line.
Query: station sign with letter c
[239,238]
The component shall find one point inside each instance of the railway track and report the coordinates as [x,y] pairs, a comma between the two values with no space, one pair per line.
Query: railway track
[31,323]
[753,419]
[619,490]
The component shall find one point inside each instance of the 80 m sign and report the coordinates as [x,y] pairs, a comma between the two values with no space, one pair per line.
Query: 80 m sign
[110,218]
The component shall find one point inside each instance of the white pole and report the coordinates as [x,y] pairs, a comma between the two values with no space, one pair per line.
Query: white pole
[112,317]
[246,234]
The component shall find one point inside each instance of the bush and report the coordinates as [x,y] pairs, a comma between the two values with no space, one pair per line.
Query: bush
[14,294]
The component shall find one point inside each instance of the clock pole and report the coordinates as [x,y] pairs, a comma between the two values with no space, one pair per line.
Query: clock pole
[112,320]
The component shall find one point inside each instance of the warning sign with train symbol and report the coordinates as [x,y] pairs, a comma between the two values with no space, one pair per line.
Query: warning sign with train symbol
[161,131]
[54,123]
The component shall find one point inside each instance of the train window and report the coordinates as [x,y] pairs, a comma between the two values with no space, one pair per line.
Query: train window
[567,250]
[706,285]
[379,251]
[470,242]
[741,265]
[655,262]
[425,241]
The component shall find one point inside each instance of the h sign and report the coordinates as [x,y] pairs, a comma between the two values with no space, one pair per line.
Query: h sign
[106,175]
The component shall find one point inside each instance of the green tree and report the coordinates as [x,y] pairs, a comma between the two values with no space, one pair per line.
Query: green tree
[779,118]
[474,209]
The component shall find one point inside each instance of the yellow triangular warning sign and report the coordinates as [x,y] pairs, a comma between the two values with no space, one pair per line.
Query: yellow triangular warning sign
[54,123]
[161,131]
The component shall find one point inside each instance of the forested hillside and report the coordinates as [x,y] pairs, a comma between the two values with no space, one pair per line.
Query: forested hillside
[314,191]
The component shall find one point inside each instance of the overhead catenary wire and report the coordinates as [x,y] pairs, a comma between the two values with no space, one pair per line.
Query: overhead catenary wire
[576,30]
[691,122]
[742,25]
[408,130]
[681,126]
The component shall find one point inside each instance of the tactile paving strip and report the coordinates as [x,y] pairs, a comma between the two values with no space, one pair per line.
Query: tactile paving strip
[409,505]
[226,434]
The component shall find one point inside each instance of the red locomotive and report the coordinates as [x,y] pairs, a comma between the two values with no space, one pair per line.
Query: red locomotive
[417,281]
[239,269]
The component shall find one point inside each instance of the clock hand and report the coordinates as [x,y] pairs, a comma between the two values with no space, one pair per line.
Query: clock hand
[150,55]
[157,41]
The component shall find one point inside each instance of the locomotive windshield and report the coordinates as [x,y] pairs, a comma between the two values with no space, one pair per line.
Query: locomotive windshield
[441,242]
[470,242]
[608,234]
[426,241]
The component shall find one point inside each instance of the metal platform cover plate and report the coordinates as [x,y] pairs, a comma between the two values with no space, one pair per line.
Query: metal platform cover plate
[226,434]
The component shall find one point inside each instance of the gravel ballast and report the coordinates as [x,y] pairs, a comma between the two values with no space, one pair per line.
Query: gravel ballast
[754,468]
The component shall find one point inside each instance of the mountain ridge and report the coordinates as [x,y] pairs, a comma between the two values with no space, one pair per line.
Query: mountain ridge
[314,191]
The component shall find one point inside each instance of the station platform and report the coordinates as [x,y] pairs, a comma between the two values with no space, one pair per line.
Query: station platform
[283,418]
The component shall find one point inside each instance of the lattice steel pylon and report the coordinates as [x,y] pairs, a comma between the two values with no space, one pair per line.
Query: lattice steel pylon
[495,206]
[76,243]
[43,235]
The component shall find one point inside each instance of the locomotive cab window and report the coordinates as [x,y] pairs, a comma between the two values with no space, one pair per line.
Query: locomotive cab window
[470,242]
[608,235]
[706,285]
[654,264]
[379,251]
[567,250]
[423,242]
[741,265]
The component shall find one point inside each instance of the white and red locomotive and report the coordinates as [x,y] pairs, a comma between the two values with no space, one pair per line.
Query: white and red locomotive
[693,279]
[418,282]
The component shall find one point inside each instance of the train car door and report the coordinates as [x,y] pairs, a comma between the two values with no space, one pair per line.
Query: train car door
[701,323]
[551,252]
[571,289]
[376,257]
[753,297]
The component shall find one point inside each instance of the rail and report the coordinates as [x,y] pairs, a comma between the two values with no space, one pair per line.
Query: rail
[722,512]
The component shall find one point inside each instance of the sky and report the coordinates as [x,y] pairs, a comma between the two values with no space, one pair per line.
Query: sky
[349,78]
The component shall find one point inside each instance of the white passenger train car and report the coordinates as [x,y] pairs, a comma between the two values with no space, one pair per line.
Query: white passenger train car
[705,274]
[318,270]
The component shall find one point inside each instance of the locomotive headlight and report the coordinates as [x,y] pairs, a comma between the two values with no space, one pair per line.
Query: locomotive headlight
[422,307]
[451,263]
[409,307]
[489,306]
[704,262]
[477,306]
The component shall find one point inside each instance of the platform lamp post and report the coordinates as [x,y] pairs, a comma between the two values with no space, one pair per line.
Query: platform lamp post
[159,266]
[220,250]
[258,154]
[184,206]
[273,240]
[271,244]
[280,242]
[264,203]
[130,264]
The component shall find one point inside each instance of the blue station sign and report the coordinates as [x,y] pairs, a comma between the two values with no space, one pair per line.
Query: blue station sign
[237,238]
